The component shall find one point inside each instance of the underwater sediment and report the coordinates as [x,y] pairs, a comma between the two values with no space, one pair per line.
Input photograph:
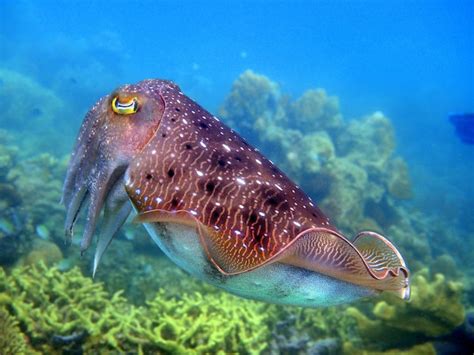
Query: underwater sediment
[145,304]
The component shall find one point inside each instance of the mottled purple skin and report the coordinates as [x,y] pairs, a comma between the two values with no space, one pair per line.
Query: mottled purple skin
[195,163]
[182,166]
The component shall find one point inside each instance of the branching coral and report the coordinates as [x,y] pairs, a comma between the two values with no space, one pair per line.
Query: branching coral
[12,340]
[211,323]
[49,303]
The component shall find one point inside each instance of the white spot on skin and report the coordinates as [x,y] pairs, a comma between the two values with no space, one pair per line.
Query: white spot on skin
[240,181]
[241,206]
[258,161]
[200,173]
[226,147]
[278,187]
[261,214]
[297,224]
[194,213]
[158,199]
[203,144]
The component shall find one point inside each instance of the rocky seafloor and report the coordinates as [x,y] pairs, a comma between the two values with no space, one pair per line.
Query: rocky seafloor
[142,304]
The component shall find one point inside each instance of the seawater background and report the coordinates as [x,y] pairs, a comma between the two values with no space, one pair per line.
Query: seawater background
[412,60]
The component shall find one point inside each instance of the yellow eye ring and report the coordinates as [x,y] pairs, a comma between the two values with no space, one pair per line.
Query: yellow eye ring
[127,107]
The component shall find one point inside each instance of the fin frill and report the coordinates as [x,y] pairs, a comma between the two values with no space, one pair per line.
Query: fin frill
[370,260]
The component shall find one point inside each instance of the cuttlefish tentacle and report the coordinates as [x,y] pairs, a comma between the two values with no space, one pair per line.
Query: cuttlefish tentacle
[73,208]
[116,211]
[95,174]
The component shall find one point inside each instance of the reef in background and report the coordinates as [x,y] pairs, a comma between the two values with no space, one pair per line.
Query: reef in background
[351,170]
[348,167]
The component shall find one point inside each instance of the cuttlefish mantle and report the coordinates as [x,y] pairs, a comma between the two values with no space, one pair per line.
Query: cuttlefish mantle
[215,205]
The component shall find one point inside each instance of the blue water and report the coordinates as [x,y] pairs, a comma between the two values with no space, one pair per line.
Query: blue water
[412,60]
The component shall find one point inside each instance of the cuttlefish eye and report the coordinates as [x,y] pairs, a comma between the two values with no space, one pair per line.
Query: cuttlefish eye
[125,106]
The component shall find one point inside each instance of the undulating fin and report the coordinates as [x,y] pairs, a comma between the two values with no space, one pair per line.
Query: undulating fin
[370,261]
[382,257]
[156,216]
[116,211]
[219,248]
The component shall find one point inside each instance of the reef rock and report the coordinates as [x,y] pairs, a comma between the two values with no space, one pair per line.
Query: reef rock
[435,310]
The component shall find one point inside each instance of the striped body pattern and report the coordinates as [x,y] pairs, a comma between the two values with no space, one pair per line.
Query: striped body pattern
[149,147]
[197,165]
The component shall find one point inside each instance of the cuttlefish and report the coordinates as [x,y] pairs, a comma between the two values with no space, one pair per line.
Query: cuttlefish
[215,205]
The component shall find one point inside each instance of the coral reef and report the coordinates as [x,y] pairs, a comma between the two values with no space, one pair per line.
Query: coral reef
[34,113]
[12,340]
[140,277]
[10,202]
[204,324]
[435,310]
[348,167]
[315,111]
[50,305]
[26,100]
[312,331]
[30,190]
[42,251]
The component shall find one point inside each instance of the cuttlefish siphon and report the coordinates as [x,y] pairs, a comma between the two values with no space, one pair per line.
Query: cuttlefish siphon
[215,205]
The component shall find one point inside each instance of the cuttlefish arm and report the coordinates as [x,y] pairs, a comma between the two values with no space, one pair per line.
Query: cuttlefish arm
[113,132]
[179,164]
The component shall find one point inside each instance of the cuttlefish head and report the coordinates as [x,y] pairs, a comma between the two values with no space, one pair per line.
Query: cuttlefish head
[116,129]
